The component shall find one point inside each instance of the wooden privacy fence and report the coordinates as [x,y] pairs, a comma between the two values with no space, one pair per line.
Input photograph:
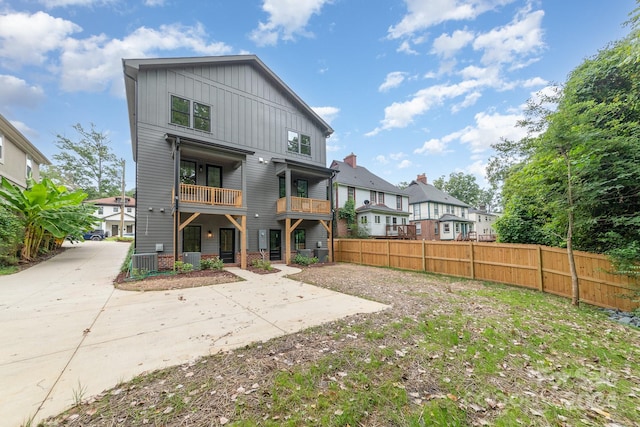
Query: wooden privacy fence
[530,266]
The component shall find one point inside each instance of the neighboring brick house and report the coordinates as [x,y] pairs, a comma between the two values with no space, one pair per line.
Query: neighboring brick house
[230,162]
[19,158]
[381,207]
[436,214]
[113,214]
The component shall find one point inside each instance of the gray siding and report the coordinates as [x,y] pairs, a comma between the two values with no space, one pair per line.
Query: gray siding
[248,112]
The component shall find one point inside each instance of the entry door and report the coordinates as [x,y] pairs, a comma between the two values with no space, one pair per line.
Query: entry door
[227,245]
[114,230]
[275,245]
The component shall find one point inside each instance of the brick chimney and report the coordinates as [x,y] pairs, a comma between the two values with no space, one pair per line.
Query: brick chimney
[351,160]
[422,178]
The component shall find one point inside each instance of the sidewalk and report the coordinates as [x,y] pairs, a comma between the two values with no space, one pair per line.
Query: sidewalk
[67,332]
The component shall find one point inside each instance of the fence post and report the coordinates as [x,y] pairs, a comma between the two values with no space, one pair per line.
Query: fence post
[473,267]
[540,275]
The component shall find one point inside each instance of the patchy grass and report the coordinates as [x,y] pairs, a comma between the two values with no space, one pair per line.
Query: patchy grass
[447,353]
[8,269]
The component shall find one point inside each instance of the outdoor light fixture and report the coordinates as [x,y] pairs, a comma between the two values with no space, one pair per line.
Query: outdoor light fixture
[209,234]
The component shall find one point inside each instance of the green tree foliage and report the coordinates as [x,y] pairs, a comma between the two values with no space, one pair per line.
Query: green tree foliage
[47,214]
[86,164]
[576,177]
[348,212]
[11,234]
[465,188]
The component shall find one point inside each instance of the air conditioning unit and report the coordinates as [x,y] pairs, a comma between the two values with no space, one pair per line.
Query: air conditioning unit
[144,262]
[192,258]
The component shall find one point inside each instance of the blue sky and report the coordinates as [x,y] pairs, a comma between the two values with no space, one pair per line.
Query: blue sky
[409,86]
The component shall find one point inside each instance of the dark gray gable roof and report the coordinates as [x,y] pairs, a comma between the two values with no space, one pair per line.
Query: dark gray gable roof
[360,177]
[449,217]
[420,192]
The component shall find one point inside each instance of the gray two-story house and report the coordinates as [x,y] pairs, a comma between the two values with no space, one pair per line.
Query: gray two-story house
[230,162]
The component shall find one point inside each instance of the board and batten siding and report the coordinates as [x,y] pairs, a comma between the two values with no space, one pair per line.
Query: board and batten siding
[255,116]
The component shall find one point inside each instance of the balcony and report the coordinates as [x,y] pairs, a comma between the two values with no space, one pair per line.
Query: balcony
[211,196]
[304,205]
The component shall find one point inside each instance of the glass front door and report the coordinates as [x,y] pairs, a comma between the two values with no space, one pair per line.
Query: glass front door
[275,245]
[227,245]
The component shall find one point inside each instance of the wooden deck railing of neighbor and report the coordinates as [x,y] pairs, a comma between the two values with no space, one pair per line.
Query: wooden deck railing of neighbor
[530,266]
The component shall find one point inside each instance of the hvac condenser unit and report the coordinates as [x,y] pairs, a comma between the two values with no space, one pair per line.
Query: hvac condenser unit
[192,258]
[144,262]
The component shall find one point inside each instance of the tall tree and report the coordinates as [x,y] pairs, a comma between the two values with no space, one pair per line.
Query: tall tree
[582,169]
[465,188]
[87,163]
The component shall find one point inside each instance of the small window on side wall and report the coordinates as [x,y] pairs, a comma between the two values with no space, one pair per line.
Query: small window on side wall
[298,143]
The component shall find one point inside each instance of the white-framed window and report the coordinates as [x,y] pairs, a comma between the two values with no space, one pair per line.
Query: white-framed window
[446,227]
[372,196]
[377,219]
[191,114]
[116,209]
[435,211]
[418,228]
[381,198]
[298,143]
[29,168]
[399,203]
[388,220]
[416,211]
[128,210]
[363,220]
[1,148]
[100,211]
[351,193]
[404,221]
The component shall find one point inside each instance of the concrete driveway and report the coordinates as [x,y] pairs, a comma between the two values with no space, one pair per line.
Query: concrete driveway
[65,332]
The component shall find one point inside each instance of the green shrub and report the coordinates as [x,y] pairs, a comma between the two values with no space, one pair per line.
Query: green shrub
[11,236]
[263,264]
[304,260]
[211,263]
[182,267]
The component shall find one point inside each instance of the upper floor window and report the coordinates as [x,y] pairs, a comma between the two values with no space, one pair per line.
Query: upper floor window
[187,172]
[372,196]
[416,211]
[435,211]
[418,228]
[100,211]
[377,219]
[381,198]
[185,112]
[399,203]
[351,193]
[116,209]
[298,143]
[29,170]
[128,210]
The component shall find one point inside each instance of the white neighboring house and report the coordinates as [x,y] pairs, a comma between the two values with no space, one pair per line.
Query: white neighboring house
[381,207]
[110,210]
[483,224]
[19,158]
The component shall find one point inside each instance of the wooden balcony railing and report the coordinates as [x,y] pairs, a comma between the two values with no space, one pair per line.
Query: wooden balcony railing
[203,195]
[302,204]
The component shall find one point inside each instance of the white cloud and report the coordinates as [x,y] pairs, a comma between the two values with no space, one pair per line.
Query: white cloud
[393,80]
[24,129]
[405,164]
[27,39]
[401,114]
[94,63]
[287,18]
[447,45]
[15,92]
[154,3]
[397,156]
[536,81]
[513,42]
[50,4]
[432,146]
[468,101]
[405,47]
[423,14]
[382,159]
[328,114]
[490,129]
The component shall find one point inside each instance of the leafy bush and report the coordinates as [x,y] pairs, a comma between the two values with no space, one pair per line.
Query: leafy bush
[11,235]
[182,267]
[304,260]
[263,264]
[211,263]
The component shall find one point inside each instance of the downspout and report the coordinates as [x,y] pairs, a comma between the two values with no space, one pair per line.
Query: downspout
[176,198]
[333,215]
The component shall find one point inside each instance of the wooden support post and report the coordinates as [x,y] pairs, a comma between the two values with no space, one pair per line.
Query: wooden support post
[473,264]
[540,271]
[287,241]
[242,227]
